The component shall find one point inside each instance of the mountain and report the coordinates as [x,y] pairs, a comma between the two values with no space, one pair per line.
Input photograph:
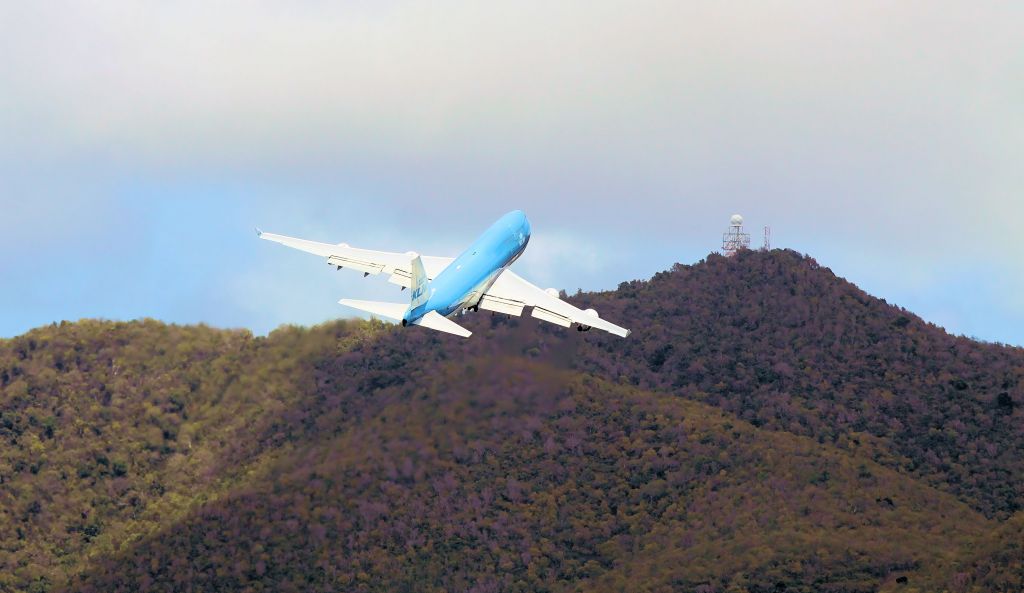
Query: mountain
[767,427]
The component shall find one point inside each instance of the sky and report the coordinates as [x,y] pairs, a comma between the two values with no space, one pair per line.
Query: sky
[141,142]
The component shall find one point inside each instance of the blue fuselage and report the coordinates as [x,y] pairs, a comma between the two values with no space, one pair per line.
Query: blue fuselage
[465,280]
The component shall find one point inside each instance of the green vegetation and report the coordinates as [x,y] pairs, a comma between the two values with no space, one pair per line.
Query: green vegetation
[767,428]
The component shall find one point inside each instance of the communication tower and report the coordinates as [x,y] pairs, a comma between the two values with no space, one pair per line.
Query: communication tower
[767,239]
[735,239]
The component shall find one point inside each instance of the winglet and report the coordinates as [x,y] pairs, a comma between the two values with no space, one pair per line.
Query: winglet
[259,232]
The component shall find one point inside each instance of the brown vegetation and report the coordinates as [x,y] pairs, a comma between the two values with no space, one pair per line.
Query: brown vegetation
[767,427]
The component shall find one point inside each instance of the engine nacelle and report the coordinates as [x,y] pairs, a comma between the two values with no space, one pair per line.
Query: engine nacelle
[345,245]
[581,327]
[552,292]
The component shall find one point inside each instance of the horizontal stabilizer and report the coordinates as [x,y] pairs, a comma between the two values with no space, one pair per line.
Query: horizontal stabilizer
[390,310]
[435,320]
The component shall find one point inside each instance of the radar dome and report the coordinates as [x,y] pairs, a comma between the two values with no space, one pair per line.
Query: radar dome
[736,220]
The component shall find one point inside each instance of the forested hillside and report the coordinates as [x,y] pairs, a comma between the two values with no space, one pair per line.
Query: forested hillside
[767,427]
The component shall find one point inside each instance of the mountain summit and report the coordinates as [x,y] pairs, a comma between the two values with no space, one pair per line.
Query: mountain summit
[767,427]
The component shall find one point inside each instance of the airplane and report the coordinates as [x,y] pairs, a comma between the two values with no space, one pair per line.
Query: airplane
[443,287]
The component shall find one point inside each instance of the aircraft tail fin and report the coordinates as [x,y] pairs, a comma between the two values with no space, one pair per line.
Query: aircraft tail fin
[419,293]
[390,310]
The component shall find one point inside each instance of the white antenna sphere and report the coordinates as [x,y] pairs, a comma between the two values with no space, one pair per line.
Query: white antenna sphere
[736,220]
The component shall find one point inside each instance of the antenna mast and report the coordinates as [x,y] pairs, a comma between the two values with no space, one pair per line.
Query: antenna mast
[735,239]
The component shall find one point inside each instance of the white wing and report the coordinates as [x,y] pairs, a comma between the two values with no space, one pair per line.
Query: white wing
[398,265]
[510,293]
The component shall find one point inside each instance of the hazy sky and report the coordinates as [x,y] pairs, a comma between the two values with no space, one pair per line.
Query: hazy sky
[141,142]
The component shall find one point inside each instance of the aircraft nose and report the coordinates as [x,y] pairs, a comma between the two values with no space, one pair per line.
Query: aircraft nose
[518,218]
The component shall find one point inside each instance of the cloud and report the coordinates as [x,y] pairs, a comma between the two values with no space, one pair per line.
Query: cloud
[862,107]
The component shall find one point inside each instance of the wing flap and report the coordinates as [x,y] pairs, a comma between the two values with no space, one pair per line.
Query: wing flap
[501,305]
[401,278]
[510,288]
[353,264]
[545,315]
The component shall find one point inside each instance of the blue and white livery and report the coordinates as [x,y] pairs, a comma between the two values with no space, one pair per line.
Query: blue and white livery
[443,287]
